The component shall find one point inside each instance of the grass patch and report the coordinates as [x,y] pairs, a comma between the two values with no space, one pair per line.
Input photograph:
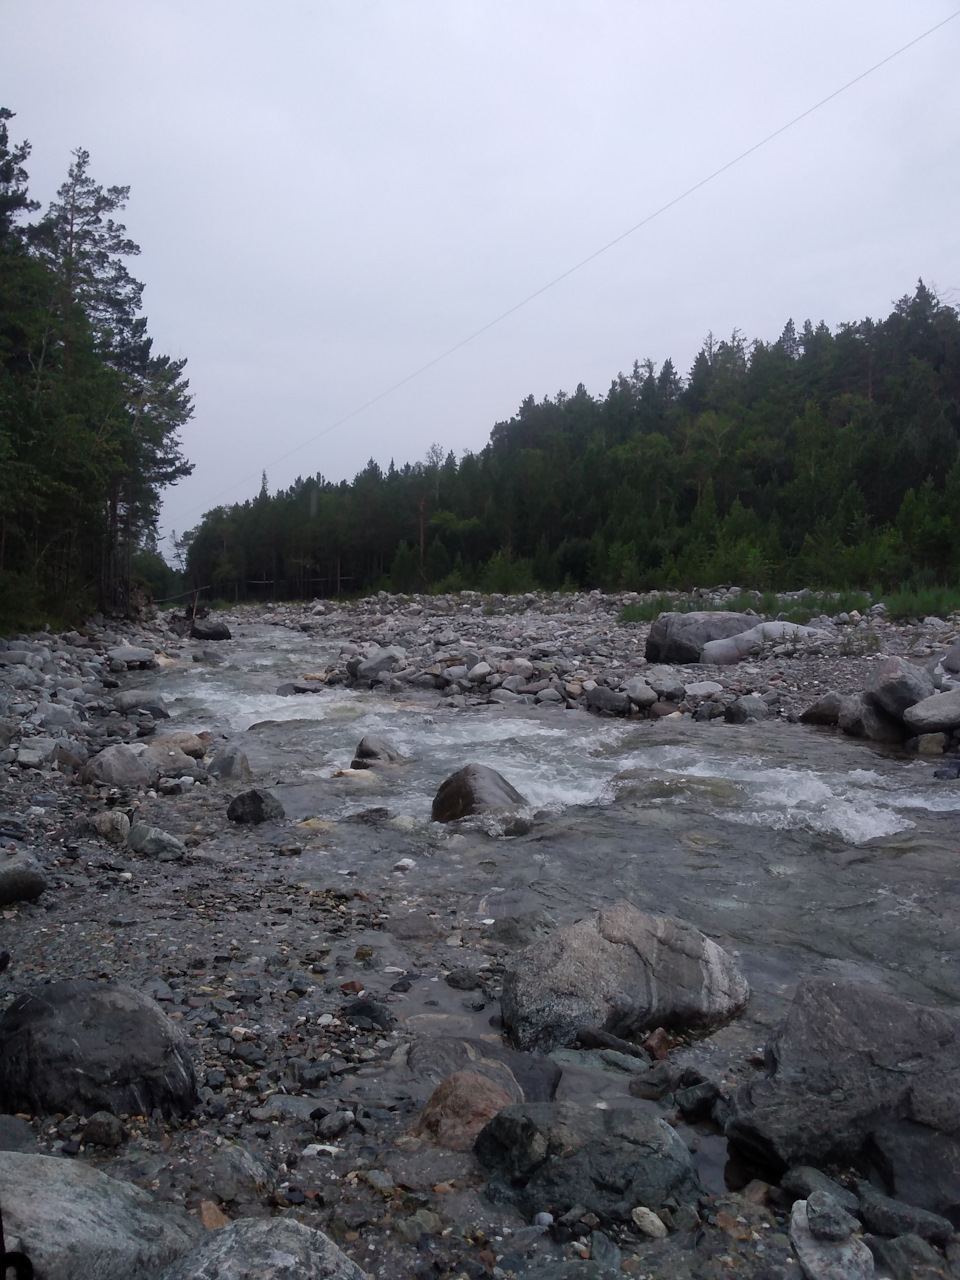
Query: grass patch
[938,602]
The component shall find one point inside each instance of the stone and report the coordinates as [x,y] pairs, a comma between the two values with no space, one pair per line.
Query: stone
[264,1249]
[73,1221]
[848,1259]
[381,661]
[897,684]
[112,825]
[825,711]
[908,1257]
[606,1160]
[16,1134]
[190,744]
[209,629]
[167,761]
[748,707]
[153,842]
[103,1129]
[116,766]
[608,701]
[951,659]
[623,971]
[231,763]
[640,693]
[524,1077]
[476,788]
[889,1217]
[648,1222]
[131,656]
[141,700]
[458,1109]
[372,751]
[255,806]
[803,1179]
[827,1219]
[854,1070]
[862,719]
[937,714]
[77,1046]
[680,637]
[730,649]
[21,879]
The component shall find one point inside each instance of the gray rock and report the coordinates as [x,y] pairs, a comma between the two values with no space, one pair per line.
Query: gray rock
[951,660]
[230,763]
[264,1249]
[938,714]
[826,710]
[564,1154]
[116,766]
[372,751]
[165,759]
[848,1259]
[79,1046]
[724,652]
[896,685]
[132,656]
[748,707]
[16,1134]
[209,629]
[827,1219]
[152,842]
[640,693]
[803,1179]
[112,825]
[853,1069]
[862,719]
[255,806]
[103,1129]
[476,788]
[889,1217]
[609,701]
[141,700]
[21,879]
[73,1221]
[910,1258]
[381,661]
[621,970]
[524,1077]
[680,637]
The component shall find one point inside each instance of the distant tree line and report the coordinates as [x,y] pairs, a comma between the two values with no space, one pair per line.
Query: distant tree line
[823,459]
[89,415]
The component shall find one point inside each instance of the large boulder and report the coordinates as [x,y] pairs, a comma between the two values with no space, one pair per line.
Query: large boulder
[231,764]
[209,629]
[937,714]
[557,1155]
[621,970]
[127,700]
[372,751]
[857,1076]
[255,806]
[21,879]
[131,655]
[80,1046]
[897,684]
[73,1221]
[117,766]
[606,701]
[165,760]
[458,1109]
[680,637]
[476,788]
[381,661]
[264,1249]
[860,718]
[826,709]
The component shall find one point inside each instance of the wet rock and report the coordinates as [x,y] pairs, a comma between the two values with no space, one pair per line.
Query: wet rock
[525,1077]
[608,701]
[897,684]
[152,842]
[116,766]
[131,656]
[21,879]
[889,1217]
[372,751]
[73,1221]
[909,1258]
[167,761]
[826,1217]
[230,763]
[80,1046]
[141,700]
[521,930]
[748,707]
[826,709]
[381,661]
[680,637]
[621,970]
[562,1155]
[264,1249]
[112,825]
[209,629]
[476,788]
[458,1109]
[802,1180]
[848,1259]
[103,1129]
[16,1134]
[853,1069]
[190,744]
[640,693]
[255,806]
[861,719]
[937,714]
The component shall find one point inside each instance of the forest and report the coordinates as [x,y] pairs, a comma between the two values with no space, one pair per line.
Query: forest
[823,459]
[89,415]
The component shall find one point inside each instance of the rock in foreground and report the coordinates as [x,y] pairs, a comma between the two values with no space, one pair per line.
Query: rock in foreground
[857,1076]
[270,1249]
[73,1221]
[558,1155]
[21,879]
[255,806]
[623,971]
[79,1046]
[476,788]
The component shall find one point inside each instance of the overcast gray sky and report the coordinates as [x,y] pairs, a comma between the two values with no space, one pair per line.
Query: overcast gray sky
[328,195]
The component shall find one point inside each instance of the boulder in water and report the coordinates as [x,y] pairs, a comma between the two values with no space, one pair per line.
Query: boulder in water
[209,629]
[680,637]
[897,684]
[623,971]
[372,751]
[937,714]
[476,788]
[608,701]
[80,1046]
[826,709]
[854,1075]
[381,661]
[565,1154]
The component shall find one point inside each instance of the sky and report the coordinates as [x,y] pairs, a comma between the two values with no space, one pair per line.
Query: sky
[330,194]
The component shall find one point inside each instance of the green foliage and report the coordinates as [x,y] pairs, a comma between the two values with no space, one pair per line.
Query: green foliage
[923,602]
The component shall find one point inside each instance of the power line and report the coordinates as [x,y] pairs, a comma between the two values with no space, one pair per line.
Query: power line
[637,226]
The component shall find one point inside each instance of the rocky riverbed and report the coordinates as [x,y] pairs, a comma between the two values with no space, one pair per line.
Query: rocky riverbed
[333,965]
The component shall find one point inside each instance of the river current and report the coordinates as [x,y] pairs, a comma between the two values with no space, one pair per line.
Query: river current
[800,850]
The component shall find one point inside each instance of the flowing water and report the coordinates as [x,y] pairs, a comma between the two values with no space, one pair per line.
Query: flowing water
[799,849]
